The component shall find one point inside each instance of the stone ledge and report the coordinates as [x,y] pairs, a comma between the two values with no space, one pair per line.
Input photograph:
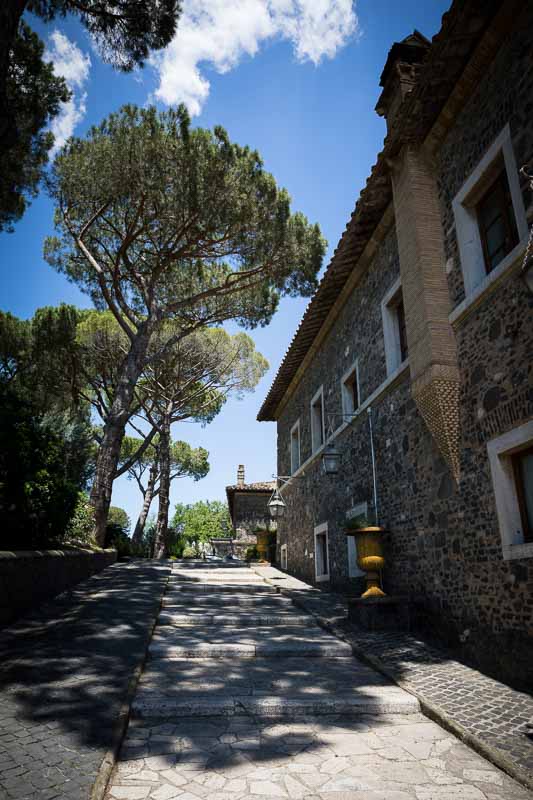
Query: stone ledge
[29,578]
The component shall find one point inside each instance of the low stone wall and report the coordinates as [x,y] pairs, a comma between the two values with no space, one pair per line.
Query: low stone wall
[29,578]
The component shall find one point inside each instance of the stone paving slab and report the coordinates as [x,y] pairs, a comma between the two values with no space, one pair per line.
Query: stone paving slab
[329,757]
[241,588]
[207,600]
[491,714]
[232,619]
[64,672]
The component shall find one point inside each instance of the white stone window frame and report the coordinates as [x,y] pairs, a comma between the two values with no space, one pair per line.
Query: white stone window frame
[475,277]
[353,569]
[283,556]
[391,330]
[319,395]
[321,530]
[346,394]
[295,429]
[500,452]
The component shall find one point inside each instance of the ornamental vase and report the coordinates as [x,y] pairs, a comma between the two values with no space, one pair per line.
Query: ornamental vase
[263,542]
[370,557]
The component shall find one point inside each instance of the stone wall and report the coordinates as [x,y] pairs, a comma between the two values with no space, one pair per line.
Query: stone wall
[250,512]
[29,578]
[443,546]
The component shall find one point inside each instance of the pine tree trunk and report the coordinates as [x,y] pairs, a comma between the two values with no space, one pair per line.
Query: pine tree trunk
[160,550]
[109,450]
[147,502]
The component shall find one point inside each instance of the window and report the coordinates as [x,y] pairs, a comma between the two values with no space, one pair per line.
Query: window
[523,477]
[283,556]
[511,464]
[496,220]
[394,328]
[317,420]
[350,390]
[490,220]
[321,553]
[353,569]
[295,447]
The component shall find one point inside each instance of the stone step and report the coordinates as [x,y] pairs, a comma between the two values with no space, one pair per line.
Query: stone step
[177,605]
[209,588]
[169,650]
[226,601]
[241,618]
[161,706]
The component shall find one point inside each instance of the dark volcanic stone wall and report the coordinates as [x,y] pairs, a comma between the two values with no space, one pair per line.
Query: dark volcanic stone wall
[443,546]
[250,512]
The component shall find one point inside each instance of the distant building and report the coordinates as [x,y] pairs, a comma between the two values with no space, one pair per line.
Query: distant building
[423,316]
[247,504]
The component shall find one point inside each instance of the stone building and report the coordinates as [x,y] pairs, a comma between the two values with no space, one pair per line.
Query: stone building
[247,503]
[424,318]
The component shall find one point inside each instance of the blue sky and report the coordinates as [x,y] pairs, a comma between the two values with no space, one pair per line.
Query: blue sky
[302,94]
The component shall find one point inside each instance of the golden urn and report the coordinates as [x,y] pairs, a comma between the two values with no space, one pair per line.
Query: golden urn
[263,544]
[369,557]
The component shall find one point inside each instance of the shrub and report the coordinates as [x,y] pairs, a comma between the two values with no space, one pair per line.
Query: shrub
[81,526]
[251,554]
[188,552]
[39,487]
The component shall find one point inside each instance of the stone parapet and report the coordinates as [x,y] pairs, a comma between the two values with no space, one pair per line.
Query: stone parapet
[31,577]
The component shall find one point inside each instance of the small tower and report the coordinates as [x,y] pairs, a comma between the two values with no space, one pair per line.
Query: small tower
[400,73]
[240,475]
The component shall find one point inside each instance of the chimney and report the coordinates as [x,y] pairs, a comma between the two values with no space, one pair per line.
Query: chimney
[400,73]
[240,475]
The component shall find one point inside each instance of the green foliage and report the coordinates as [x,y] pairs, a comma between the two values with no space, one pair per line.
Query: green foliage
[188,552]
[124,31]
[251,553]
[34,95]
[195,524]
[41,473]
[81,526]
[213,237]
[117,531]
[46,449]
[119,519]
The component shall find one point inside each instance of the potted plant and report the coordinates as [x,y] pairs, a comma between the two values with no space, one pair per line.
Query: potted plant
[368,540]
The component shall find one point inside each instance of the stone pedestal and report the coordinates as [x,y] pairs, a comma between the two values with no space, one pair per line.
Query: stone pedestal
[380,613]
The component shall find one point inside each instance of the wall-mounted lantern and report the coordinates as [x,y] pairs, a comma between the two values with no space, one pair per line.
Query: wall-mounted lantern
[276,505]
[330,459]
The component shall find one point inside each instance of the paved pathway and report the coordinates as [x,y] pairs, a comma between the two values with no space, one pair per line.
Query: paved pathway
[64,673]
[493,712]
[245,696]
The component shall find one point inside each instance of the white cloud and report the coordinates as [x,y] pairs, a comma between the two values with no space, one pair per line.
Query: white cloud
[73,65]
[221,32]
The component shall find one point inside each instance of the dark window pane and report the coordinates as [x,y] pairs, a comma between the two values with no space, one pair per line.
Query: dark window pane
[497,225]
[400,316]
[523,463]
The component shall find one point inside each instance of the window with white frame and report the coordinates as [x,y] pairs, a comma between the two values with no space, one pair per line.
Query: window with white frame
[321,553]
[360,510]
[511,464]
[295,447]
[490,219]
[394,328]
[317,420]
[350,390]
[283,556]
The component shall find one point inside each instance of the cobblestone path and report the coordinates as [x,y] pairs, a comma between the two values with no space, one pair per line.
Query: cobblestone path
[486,708]
[64,672]
[245,697]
